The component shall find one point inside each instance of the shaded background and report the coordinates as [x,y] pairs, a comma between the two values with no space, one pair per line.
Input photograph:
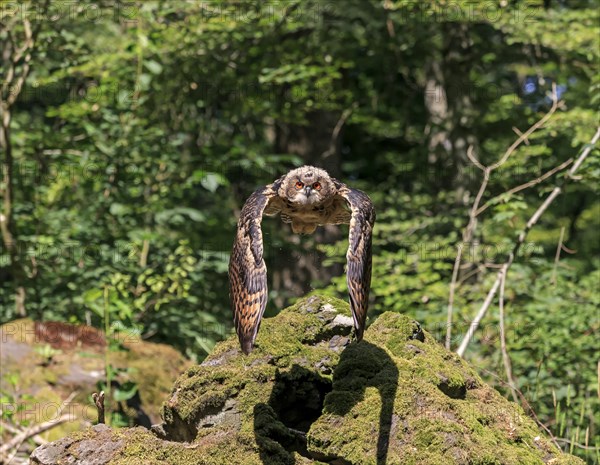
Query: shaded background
[139,129]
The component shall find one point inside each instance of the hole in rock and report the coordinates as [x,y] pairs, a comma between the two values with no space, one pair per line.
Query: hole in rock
[298,400]
[454,391]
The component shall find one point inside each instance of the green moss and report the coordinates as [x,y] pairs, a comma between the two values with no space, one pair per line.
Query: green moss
[143,447]
[442,412]
[397,396]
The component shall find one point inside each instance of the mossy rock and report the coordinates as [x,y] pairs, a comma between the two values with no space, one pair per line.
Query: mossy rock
[307,394]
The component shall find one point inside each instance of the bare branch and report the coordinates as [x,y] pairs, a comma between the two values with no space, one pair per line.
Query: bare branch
[474,160]
[531,183]
[34,431]
[505,357]
[467,237]
[19,54]
[564,248]
[523,137]
[453,286]
[388,22]
[519,133]
[13,56]
[469,231]
[13,429]
[527,407]
[336,131]
[576,444]
[532,221]
[480,268]
[16,441]
[28,44]
[557,256]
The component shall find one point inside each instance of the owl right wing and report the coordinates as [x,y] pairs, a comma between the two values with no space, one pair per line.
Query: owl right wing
[358,269]
[247,269]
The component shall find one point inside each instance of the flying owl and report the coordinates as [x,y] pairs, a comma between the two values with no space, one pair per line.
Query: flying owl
[306,197]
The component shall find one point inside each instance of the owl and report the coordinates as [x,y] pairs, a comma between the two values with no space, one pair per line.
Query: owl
[305,197]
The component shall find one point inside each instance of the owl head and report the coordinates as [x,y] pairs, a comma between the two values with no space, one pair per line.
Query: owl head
[307,186]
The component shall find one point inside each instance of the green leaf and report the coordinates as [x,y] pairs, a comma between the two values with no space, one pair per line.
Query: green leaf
[153,66]
[118,209]
[125,392]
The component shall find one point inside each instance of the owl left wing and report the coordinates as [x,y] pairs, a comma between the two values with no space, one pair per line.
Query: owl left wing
[247,269]
[358,270]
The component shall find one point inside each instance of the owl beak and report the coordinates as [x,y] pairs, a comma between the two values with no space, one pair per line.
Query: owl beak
[307,190]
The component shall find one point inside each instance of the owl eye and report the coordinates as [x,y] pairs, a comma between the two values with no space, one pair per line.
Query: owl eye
[299,185]
[317,186]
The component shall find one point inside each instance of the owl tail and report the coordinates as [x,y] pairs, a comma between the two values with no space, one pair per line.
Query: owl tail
[358,332]
[246,344]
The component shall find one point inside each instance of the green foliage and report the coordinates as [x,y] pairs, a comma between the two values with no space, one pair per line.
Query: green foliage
[15,406]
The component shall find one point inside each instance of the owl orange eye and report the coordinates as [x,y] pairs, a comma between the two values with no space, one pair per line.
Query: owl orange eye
[317,186]
[299,185]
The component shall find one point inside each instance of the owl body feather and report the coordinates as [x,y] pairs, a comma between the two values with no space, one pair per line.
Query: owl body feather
[306,197]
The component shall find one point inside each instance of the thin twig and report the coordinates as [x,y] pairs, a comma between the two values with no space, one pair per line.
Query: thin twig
[479,269]
[387,4]
[576,444]
[13,429]
[22,54]
[475,161]
[505,357]
[40,428]
[531,183]
[557,256]
[523,137]
[518,132]
[469,231]
[528,408]
[467,237]
[336,131]
[472,225]
[34,431]
[451,296]
[532,221]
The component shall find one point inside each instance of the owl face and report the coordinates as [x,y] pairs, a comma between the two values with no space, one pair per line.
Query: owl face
[307,186]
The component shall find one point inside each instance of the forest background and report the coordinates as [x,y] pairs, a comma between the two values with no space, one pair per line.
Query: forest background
[132,133]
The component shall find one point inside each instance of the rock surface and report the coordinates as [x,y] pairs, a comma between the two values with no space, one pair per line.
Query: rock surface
[308,395]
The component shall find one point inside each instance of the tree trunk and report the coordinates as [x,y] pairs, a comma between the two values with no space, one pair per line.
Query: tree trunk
[7,227]
[448,100]
[15,67]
